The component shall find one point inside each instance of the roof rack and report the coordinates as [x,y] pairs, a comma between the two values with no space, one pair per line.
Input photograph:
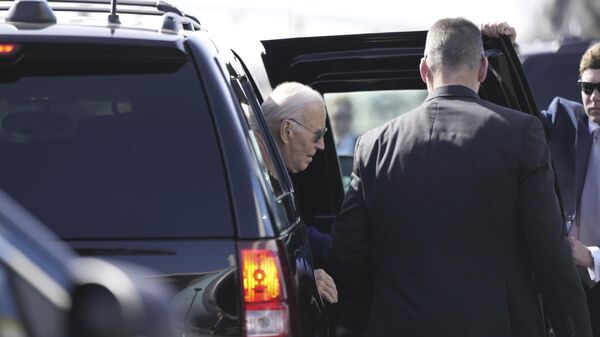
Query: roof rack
[147,7]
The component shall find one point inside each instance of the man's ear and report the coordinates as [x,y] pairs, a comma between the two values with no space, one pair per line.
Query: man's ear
[424,70]
[483,68]
[285,131]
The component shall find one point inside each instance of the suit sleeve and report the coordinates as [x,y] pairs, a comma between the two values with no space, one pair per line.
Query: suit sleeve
[560,117]
[351,237]
[542,227]
[320,245]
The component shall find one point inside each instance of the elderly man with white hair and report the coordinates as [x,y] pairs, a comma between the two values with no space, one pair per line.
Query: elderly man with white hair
[295,114]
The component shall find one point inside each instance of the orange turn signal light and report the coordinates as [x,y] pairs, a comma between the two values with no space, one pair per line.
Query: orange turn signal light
[260,275]
[8,49]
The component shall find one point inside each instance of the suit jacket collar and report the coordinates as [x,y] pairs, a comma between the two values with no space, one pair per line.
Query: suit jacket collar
[452,91]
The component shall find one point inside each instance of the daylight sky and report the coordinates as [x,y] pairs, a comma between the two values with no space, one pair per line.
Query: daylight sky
[265,19]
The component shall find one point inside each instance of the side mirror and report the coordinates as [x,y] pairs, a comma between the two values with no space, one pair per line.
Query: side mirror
[112,301]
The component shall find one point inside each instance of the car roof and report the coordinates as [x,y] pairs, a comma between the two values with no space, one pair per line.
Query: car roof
[74,31]
[91,18]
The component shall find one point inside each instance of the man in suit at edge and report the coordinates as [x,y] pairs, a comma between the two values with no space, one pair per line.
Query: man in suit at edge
[575,152]
[575,146]
[452,205]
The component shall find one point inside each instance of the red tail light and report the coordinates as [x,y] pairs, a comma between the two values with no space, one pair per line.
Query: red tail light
[260,275]
[7,49]
[266,312]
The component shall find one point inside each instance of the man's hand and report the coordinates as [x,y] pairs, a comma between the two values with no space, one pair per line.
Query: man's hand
[497,29]
[581,254]
[326,286]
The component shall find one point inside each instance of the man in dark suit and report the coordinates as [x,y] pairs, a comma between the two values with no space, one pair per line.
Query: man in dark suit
[453,207]
[574,140]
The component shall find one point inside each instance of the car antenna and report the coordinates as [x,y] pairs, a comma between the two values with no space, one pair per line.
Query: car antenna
[113,17]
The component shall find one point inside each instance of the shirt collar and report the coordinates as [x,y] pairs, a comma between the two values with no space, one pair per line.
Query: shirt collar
[452,90]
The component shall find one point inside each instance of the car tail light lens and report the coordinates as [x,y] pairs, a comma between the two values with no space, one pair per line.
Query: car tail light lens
[260,275]
[266,311]
[7,49]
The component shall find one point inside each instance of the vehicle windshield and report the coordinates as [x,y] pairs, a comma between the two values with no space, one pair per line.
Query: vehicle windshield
[114,155]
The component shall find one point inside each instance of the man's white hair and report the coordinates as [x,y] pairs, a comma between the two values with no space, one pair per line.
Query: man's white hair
[289,100]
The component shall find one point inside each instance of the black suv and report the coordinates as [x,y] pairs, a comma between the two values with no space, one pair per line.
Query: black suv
[134,143]
[555,73]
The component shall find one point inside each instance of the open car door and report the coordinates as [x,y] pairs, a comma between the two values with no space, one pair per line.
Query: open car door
[371,64]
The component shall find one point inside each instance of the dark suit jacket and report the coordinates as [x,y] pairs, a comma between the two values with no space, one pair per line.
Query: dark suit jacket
[320,245]
[570,142]
[453,206]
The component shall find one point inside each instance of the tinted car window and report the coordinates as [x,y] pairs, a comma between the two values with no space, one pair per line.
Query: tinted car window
[261,148]
[121,155]
[272,166]
[353,113]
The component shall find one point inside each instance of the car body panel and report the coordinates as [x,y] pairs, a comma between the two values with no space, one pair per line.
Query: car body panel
[164,256]
[85,34]
[234,149]
[201,271]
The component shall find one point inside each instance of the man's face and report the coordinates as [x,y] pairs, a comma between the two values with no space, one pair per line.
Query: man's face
[591,102]
[301,148]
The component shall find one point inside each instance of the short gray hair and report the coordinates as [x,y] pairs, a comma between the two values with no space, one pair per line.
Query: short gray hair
[288,101]
[452,44]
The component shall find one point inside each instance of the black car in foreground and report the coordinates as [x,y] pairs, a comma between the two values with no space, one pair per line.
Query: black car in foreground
[47,291]
[133,143]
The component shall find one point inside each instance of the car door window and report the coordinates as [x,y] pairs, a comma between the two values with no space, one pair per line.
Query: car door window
[272,168]
[353,113]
